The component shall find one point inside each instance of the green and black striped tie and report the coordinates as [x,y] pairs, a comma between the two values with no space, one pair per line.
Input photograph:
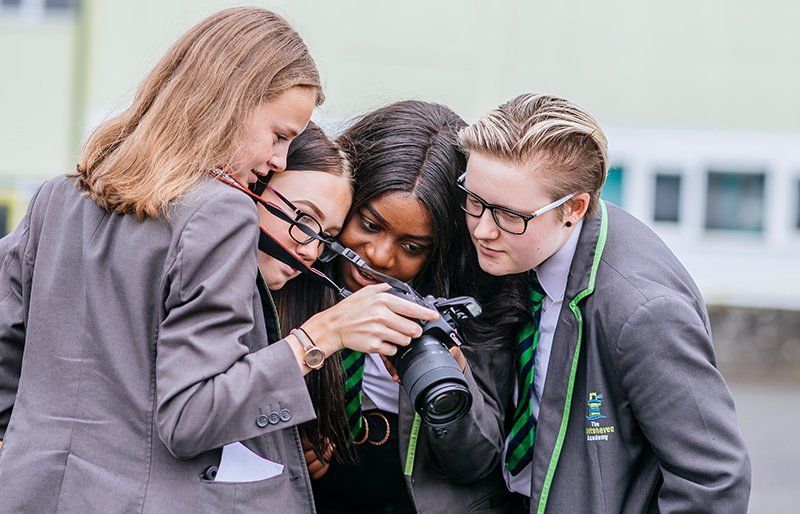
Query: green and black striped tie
[353,370]
[520,440]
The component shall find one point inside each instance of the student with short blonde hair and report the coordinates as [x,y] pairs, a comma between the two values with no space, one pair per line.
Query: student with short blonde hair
[619,406]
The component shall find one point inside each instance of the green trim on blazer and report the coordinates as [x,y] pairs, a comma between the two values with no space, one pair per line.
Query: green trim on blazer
[412,445]
[573,305]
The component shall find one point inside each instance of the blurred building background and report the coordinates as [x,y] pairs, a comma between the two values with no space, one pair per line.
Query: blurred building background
[700,101]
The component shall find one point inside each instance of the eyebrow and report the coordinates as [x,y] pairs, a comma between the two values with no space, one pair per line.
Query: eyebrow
[382,221]
[318,212]
[290,131]
[313,207]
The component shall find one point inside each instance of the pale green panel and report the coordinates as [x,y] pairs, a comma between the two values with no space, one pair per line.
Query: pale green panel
[370,53]
[35,98]
[718,64]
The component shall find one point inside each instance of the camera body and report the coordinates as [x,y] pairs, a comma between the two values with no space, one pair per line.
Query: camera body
[428,372]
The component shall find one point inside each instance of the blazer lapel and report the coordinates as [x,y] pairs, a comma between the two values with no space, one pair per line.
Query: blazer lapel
[552,413]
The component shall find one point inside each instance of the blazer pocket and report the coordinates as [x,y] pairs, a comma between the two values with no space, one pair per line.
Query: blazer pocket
[495,503]
[257,496]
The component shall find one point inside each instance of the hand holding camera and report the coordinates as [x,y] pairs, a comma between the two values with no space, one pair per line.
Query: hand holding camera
[371,320]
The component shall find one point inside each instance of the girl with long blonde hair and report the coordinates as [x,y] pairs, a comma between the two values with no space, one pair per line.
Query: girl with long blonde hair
[133,346]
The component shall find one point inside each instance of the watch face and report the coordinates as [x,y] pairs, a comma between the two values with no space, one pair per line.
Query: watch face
[314,358]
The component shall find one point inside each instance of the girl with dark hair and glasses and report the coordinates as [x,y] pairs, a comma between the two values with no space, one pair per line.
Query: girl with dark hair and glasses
[366,451]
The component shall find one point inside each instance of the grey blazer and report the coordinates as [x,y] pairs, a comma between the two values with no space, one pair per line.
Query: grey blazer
[131,351]
[635,416]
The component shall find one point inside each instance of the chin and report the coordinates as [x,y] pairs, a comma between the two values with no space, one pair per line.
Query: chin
[491,267]
[275,284]
[499,268]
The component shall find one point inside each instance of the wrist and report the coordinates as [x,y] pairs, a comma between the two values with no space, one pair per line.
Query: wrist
[328,342]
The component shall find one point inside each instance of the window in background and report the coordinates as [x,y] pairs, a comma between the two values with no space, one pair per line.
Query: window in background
[612,189]
[4,220]
[735,201]
[37,8]
[60,5]
[797,203]
[667,205]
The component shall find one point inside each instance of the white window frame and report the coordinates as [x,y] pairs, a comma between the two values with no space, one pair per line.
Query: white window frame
[35,11]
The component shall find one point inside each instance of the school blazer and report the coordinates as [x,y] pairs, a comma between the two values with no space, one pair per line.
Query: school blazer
[635,416]
[131,351]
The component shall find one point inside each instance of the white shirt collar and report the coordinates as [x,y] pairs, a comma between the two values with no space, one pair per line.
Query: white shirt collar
[554,272]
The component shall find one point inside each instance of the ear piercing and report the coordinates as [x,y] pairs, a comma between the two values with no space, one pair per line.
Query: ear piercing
[568,224]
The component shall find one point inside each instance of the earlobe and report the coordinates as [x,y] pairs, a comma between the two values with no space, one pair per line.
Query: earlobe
[568,224]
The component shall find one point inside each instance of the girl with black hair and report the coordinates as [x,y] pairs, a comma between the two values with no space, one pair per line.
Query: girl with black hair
[367,451]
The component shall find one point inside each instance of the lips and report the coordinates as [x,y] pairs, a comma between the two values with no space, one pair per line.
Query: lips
[490,252]
[361,278]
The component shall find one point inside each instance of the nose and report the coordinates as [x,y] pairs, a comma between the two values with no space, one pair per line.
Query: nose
[486,228]
[308,252]
[381,254]
[278,160]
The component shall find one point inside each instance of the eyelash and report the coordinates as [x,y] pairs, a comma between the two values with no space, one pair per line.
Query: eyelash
[413,249]
[369,226]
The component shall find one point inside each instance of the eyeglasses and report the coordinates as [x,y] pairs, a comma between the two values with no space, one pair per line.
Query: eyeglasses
[509,220]
[302,224]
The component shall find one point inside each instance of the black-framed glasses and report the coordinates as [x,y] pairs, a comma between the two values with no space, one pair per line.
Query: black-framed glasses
[303,224]
[509,220]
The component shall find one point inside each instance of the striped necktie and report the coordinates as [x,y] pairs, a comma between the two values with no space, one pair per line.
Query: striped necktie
[353,371]
[520,440]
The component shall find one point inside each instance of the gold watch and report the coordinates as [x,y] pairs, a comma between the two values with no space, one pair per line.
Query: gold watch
[314,357]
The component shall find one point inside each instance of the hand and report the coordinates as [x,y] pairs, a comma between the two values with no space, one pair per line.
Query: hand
[455,351]
[316,468]
[370,321]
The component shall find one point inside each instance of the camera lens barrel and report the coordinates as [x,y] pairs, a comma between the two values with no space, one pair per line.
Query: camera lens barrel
[434,382]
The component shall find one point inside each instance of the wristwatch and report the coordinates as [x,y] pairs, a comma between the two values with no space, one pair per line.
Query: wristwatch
[314,357]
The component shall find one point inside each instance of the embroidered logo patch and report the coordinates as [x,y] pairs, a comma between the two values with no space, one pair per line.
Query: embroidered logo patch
[596,431]
[595,403]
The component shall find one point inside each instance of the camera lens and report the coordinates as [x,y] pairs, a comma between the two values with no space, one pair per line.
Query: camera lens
[446,402]
[447,406]
[434,382]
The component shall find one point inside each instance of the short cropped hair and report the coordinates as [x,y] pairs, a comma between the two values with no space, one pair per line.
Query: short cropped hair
[560,140]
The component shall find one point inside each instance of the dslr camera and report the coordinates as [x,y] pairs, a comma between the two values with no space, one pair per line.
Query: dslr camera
[428,372]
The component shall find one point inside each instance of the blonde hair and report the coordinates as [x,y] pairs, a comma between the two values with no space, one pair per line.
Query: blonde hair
[188,113]
[562,141]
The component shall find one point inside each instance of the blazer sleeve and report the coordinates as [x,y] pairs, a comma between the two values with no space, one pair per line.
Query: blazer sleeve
[471,449]
[12,318]
[680,400]
[211,390]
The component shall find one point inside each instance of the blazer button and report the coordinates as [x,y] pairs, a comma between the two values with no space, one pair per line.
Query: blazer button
[274,418]
[262,421]
[286,415]
[210,473]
